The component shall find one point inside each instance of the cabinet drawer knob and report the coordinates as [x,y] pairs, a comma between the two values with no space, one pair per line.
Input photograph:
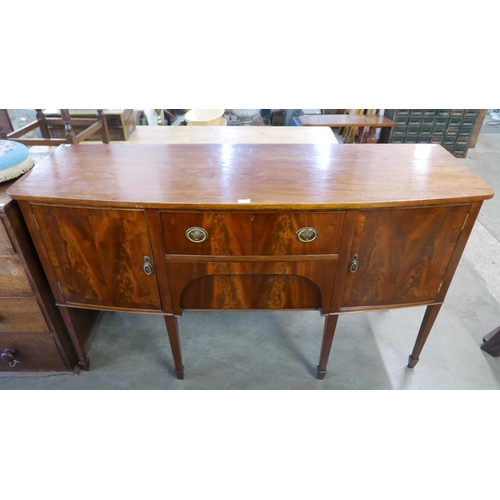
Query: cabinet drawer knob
[9,356]
[306,234]
[148,268]
[353,266]
[196,234]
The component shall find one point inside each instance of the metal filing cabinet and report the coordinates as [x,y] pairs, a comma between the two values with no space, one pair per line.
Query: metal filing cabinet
[452,128]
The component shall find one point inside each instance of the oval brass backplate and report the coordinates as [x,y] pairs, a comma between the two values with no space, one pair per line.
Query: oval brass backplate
[196,234]
[306,234]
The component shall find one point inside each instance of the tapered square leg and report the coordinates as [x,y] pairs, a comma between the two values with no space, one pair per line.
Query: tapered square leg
[326,345]
[173,337]
[425,328]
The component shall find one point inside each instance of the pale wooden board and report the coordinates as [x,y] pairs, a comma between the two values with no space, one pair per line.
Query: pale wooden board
[231,135]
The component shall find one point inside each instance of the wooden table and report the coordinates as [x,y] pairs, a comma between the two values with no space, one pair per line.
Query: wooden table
[160,229]
[230,135]
[371,121]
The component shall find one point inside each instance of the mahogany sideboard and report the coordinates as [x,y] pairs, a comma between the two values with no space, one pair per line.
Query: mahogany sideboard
[33,336]
[160,229]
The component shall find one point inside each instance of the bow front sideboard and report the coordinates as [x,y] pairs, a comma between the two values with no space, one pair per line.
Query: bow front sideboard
[160,229]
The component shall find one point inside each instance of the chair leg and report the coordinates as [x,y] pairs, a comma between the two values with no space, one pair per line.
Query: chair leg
[42,123]
[70,133]
[104,131]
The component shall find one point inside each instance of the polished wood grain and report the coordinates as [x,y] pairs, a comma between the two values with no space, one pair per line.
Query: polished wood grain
[98,256]
[251,234]
[277,177]
[403,254]
[251,285]
[276,233]
[405,210]
[228,234]
[346,121]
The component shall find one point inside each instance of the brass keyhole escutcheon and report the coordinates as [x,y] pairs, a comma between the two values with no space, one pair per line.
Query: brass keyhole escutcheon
[306,234]
[148,268]
[353,266]
[196,234]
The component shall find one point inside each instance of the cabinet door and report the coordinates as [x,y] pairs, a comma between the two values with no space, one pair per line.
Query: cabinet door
[402,254]
[98,256]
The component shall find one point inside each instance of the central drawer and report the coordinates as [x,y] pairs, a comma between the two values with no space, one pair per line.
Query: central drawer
[247,234]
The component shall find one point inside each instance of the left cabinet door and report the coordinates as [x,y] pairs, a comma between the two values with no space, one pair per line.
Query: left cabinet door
[98,256]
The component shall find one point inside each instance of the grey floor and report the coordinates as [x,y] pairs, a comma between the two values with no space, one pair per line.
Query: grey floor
[279,349]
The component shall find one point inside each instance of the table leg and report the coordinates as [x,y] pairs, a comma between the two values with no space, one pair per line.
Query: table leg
[371,138]
[492,343]
[425,328]
[173,337]
[328,333]
[83,360]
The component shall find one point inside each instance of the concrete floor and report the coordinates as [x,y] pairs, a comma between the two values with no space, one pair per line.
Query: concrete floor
[280,349]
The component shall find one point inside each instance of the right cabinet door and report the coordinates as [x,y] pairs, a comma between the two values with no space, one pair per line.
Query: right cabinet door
[402,254]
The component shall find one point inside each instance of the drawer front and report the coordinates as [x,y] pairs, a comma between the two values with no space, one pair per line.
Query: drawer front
[226,233]
[13,280]
[21,315]
[5,244]
[30,353]
[279,234]
[248,234]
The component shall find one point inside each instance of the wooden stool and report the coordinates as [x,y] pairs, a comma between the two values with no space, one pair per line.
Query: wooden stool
[14,160]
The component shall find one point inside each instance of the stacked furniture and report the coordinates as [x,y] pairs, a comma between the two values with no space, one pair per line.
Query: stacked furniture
[89,126]
[120,122]
[452,128]
[33,337]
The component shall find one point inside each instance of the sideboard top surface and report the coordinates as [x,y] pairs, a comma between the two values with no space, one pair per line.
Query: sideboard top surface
[251,176]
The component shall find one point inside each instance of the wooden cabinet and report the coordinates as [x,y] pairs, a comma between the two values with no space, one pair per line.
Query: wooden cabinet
[98,256]
[337,228]
[402,254]
[33,336]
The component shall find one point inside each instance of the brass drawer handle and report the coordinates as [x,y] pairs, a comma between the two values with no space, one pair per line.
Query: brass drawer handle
[353,266]
[196,234]
[148,268]
[306,234]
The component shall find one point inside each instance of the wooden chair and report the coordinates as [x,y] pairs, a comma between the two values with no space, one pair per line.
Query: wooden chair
[42,122]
